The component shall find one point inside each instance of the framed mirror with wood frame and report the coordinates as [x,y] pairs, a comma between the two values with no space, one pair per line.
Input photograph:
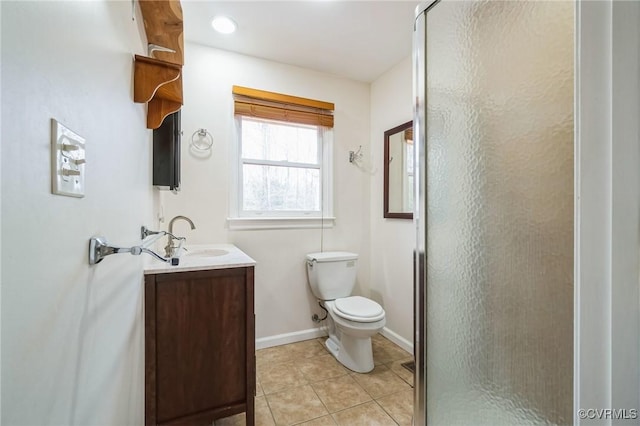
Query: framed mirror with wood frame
[398,172]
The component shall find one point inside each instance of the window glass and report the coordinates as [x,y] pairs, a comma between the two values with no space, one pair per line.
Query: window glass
[274,141]
[274,188]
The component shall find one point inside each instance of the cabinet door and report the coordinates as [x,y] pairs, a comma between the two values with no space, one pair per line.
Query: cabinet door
[200,344]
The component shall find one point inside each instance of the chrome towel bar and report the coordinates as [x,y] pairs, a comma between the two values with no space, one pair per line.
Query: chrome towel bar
[99,248]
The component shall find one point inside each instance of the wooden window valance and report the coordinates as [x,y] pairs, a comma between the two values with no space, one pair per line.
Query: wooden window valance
[276,106]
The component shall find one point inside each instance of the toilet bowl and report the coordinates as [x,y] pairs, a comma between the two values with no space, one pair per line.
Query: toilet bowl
[352,320]
[350,332]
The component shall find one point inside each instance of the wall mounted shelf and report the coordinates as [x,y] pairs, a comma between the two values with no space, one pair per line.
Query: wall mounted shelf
[158,81]
[164,27]
[159,84]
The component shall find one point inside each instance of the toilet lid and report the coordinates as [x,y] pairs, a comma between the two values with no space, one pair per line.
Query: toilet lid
[358,308]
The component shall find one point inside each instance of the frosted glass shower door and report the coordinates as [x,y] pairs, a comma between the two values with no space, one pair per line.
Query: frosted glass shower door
[494,82]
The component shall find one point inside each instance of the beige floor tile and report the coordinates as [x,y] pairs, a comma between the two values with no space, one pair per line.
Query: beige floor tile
[340,393]
[380,382]
[321,368]
[367,414]
[385,351]
[295,405]
[320,421]
[396,367]
[380,338]
[399,406]
[302,381]
[274,355]
[306,348]
[263,413]
[277,377]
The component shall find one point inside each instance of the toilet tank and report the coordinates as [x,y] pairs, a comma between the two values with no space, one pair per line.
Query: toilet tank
[332,274]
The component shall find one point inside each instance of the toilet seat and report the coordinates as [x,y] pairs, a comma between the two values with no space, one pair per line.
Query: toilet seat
[358,309]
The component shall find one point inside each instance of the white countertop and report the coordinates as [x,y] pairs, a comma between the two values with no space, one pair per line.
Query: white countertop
[202,257]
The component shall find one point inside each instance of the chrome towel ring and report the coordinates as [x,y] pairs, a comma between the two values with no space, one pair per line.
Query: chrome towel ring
[204,140]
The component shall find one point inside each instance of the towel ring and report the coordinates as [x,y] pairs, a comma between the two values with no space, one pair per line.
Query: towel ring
[204,141]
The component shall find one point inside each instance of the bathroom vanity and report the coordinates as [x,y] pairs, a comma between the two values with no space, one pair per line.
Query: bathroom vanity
[199,337]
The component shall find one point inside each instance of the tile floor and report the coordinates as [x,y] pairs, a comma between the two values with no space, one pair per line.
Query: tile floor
[302,384]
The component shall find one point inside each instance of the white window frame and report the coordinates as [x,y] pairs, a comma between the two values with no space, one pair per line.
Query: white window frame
[407,189]
[240,219]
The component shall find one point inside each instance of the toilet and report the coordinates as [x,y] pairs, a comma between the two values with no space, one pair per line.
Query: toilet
[352,320]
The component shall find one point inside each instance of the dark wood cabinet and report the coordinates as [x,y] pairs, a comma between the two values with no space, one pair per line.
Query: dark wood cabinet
[199,346]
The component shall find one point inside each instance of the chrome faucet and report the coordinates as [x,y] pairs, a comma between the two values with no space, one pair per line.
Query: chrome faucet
[170,248]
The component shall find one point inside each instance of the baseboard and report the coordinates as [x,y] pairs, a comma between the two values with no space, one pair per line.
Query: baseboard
[296,336]
[313,333]
[397,339]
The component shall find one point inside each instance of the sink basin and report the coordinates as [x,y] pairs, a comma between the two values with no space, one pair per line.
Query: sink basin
[207,252]
[202,257]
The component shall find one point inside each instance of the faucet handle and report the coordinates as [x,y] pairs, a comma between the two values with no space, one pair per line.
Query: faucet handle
[170,249]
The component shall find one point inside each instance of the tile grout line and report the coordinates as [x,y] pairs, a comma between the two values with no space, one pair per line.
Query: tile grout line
[321,402]
[402,378]
[359,384]
[361,404]
[385,410]
[353,375]
[269,407]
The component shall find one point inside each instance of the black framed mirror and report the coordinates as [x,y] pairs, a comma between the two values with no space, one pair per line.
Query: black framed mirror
[398,172]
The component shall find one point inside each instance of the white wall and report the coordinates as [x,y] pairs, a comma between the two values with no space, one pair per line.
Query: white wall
[72,335]
[284,303]
[392,240]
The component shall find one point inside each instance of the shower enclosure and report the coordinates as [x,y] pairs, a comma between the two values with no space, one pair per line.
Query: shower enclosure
[494,122]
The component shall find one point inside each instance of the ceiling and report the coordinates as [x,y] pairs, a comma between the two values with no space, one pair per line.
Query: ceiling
[359,40]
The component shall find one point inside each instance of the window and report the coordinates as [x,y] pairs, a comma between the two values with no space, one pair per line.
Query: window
[283,177]
[408,178]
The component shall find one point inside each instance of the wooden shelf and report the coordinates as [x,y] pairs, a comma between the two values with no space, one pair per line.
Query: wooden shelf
[150,75]
[157,111]
[164,27]
[158,81]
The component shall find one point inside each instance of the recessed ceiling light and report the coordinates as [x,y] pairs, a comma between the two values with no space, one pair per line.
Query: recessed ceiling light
[223,24]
